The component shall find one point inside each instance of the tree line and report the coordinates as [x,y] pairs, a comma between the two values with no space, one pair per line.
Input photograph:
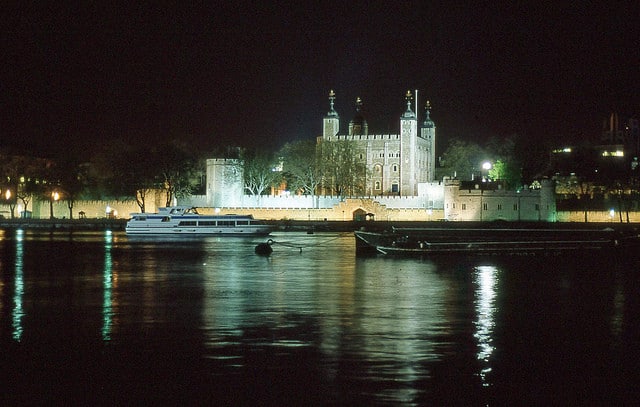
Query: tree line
[119,171]
[122,171]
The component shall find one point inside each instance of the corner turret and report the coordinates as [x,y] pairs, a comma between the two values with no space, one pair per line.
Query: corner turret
[331,122]
[358,125]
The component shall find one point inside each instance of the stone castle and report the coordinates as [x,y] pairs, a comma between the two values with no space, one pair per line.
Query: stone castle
[401,184]
[398,163]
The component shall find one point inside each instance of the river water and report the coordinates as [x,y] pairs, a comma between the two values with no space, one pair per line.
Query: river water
[100,318]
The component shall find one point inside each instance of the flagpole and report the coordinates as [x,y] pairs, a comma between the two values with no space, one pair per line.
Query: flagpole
[416,105]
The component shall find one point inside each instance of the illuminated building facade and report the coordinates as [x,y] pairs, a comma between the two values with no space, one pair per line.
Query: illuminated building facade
[395,163]
[620,138]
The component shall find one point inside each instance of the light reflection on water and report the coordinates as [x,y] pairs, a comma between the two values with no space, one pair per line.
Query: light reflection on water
[108,286]
[486,281]
[18,310]
[374,330]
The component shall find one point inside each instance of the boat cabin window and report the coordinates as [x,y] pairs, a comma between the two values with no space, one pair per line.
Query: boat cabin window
[140,218]
[166,219]
[226,223]
[187,223]
[242,222]
[207,223]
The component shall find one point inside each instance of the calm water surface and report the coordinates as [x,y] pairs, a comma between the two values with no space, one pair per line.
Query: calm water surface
[101,318]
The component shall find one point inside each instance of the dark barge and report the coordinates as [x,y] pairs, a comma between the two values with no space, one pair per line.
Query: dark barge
[498,240]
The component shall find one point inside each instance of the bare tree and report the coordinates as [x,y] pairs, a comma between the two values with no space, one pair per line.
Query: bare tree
[260,172]
[301,166]
[343,172]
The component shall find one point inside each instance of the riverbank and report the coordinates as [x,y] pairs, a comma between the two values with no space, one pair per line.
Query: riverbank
[64,224]
[309,226]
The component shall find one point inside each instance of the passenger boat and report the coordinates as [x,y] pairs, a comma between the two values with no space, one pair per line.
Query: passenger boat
[185,220]
[497,241]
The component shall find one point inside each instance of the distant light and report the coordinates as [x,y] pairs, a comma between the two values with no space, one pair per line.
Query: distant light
[8,194]
[612,213]
[486,165]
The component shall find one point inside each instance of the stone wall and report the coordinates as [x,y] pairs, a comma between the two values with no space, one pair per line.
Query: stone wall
[347,210]
[597,216]
[94,209]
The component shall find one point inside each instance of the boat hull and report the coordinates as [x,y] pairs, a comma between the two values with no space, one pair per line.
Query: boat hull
[490,242]
[182,220]
[262,231]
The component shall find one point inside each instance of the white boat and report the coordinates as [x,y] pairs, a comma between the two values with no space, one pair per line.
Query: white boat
[185,220]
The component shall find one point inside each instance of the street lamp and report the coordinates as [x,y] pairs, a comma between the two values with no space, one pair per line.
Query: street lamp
[486,166]
[55,196]
[12,206]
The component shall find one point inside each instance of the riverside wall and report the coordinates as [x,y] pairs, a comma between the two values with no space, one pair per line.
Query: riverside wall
[343,210]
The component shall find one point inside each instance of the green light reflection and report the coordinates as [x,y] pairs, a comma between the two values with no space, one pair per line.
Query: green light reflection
[18,310]
[107,312]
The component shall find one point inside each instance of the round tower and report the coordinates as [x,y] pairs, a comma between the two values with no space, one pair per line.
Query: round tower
[547,200]
[225,186]
[451,197]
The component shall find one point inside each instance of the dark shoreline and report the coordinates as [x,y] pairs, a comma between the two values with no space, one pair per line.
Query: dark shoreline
[312,226]
[64,224]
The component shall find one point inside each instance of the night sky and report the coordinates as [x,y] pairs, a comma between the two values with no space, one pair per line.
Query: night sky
[244,73]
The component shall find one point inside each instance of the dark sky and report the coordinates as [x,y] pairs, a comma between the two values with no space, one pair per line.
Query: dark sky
[239,73]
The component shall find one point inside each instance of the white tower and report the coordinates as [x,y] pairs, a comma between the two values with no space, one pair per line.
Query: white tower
[408,149]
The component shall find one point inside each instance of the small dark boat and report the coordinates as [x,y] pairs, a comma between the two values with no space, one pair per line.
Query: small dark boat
[495,241]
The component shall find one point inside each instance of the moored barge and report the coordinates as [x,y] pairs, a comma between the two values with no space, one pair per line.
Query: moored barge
[496,241]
